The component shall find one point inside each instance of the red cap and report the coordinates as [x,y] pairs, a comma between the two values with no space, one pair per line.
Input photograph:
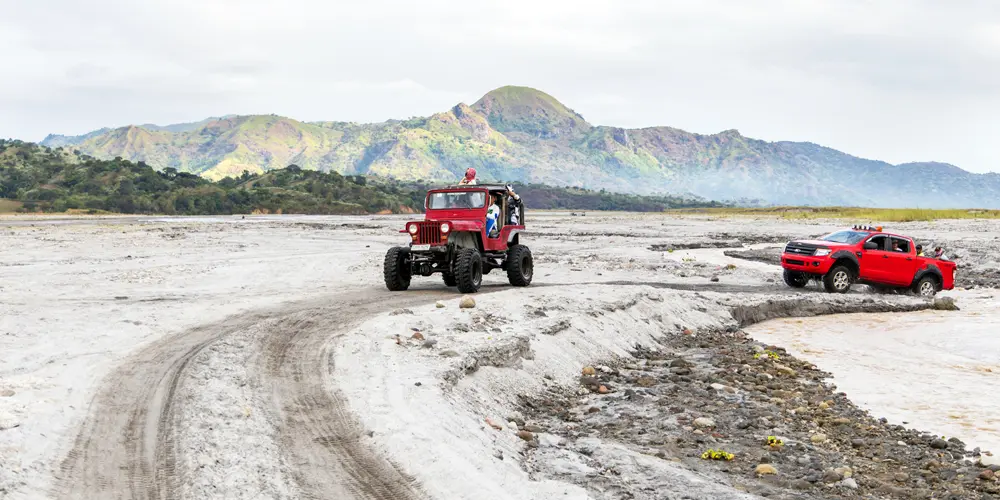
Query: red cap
[470,174]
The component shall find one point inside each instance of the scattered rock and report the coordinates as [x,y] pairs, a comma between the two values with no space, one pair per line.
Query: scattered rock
[832,476]
[494,424]
[901,477]
[517,417]
[6,393]
[857,442]
[824,406]
[417,336]
[439,304]
[429,343]
[987,475]
[467,303]
[939,444]
[704,422]
[646,381]
[602,389]
[525,435]
[449,354]
[714,279]
[765,469]
[849,483]
[784,369]
[818,438]
[398,312]
[589,371]
[945,304]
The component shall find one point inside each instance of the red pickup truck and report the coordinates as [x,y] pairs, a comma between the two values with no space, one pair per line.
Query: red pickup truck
[868,256]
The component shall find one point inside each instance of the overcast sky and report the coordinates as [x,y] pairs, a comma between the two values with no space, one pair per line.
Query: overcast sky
[895,80]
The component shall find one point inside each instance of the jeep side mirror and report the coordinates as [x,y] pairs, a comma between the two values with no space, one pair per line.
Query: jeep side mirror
[871,245]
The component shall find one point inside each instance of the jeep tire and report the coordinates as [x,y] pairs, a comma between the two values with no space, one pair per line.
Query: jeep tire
[449,279]
[520,266]
[795,279]
[926,286]
[838,279]
[396,269]
[468,270]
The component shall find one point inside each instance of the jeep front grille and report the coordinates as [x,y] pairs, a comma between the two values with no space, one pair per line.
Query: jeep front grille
[429,232]
[800,248]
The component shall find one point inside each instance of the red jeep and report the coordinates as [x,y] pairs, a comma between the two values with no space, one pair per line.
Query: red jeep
[452,240]
[868,256]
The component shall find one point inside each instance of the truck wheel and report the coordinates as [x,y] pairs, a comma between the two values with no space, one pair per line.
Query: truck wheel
[838,280]
[469,270]
[926,286]
[520,266]
[795,279]
[396,269]
[449,279]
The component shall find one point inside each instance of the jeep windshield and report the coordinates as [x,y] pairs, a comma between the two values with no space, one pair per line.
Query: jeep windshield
[845,237]
[456,200]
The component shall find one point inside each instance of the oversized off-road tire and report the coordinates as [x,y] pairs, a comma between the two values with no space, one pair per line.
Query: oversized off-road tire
[926,286]
[468,270]
[838,280]
[449,279]
[795,279]
[396,269]
[520,266]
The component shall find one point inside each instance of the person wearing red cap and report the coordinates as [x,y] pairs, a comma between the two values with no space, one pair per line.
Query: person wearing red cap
[470,177]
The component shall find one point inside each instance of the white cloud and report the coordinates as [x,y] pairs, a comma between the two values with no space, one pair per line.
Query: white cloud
[898,80]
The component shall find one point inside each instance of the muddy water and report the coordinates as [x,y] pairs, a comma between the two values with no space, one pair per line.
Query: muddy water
[936,371]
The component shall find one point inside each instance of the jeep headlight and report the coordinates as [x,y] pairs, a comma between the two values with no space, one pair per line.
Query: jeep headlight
[822,252]
[412,228]
[445,227]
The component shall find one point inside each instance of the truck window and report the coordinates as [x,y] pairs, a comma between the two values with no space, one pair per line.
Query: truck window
[901,245]
[457,199]
[880,240]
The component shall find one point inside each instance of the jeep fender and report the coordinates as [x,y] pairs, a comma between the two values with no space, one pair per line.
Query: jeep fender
[513,238]
[928,269]
[465,239]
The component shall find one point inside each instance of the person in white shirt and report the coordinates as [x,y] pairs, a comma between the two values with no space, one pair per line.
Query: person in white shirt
[492,216]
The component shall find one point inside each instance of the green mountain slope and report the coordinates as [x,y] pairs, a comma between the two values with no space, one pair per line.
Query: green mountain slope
[38,178]
[524,135]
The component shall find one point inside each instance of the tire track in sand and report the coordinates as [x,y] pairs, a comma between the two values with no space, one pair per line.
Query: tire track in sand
[126,446]
[320,436]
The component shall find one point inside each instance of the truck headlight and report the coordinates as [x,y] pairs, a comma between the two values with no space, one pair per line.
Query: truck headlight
[445,227]
[412,228]
[822,252]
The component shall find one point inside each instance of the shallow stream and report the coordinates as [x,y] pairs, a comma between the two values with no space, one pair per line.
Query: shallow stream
[937,371]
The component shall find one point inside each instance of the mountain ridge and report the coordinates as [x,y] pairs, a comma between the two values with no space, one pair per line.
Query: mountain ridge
[520,134]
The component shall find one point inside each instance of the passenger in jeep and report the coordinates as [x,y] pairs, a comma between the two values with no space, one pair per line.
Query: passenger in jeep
[493,216]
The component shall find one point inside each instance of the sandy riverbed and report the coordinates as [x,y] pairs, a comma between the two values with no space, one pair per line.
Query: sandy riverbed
[205,324]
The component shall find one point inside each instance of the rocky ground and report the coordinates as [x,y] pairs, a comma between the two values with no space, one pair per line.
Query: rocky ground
[778,428]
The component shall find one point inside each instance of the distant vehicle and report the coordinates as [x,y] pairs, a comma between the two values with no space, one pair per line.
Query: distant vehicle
[865,255]
[452,240]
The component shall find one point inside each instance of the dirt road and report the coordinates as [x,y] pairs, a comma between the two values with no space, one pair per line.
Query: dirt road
[127,445]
